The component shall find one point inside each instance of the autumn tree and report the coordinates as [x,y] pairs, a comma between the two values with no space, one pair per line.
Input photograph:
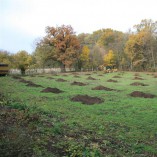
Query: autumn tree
[109,58]
[5,57]
[84,57]
[22,61]
[65,44]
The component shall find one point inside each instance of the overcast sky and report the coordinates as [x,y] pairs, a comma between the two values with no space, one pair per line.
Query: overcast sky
[23,21]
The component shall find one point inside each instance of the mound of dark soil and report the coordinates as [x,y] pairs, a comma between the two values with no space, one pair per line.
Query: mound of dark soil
[142,94]
[155,76]
[50,78]
[138,78]
[110,80]
[51,90]
[85,99]
[100,75]
[61,80]
[90,78]
[87,74]
[31,84]
[117,77]
[24,81]
[137,74]
[102,88]
[78,83]
[138,84]
[76,76]
[16,77]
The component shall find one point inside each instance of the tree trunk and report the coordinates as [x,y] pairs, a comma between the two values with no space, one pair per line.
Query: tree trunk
[23,71]
[63,68]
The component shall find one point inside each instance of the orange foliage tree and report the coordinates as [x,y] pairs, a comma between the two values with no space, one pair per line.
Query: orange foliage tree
[65,43]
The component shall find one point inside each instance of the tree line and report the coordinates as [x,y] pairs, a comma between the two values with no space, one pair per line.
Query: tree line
[61,47]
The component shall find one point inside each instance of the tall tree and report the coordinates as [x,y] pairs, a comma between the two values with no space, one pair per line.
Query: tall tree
[65,43]
[109,58]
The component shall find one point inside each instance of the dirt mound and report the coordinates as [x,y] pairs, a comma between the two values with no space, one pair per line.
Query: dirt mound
[51,90]
[76,76]
[110,80]
[24,81]
[78,83]
[16,77]
[117,77]
[50,78]
[155,76]
[142,94]
[138,84]
[31,84]
[85,99]
[137,74]
[100,75]
[87,74]
[102,88]
[90,78]
[138,78]
[61,80]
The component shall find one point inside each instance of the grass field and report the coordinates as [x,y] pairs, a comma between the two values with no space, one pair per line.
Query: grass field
[121,125]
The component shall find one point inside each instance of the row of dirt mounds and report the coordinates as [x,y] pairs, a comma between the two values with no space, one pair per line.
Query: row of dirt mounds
[29,83]
[103,88]
[78,83]
[110,80]
[61,80]
[90,78]
[138,78]
[52,90]
[142,94]
[85,99]
[138,84]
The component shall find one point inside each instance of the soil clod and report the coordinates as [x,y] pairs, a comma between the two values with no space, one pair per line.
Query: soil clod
[103,88]
[142,94]
[110,80]
[138,84]
[85,99]
[61,80]
[78,83]
[51,90]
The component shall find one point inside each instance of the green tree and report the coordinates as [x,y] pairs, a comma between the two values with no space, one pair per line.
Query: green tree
[22,61]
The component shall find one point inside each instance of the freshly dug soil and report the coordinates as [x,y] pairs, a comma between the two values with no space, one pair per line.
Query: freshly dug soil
[78,83]
[138,78]
[117,77]
[85,99]
[50,78]
[138,84]
[142,94]
[110,80]
[16,77]
[155,76]
[31,84]
[102,88]
[76,76]
[24,81]
[51,90]
[90,78]
[61,80]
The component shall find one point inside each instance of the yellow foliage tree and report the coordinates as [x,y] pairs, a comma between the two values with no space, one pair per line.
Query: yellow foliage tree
[109,58]
[84,57]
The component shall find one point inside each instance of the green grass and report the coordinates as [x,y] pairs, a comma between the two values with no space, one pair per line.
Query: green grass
[120,126]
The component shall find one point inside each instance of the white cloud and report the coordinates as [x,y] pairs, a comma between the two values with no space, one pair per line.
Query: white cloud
[32,16]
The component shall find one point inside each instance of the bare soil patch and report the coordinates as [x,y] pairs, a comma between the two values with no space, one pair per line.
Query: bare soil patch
[90,78]
[117,77]
[78,83]
[138,84]
[16,77]
[76,76]
[110,80]
[155,76]
[51,90]
[61,80]
[31,84]
[142,94]
[50,78]
[88,100]
[138,78]
[103,88]
[24,81]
